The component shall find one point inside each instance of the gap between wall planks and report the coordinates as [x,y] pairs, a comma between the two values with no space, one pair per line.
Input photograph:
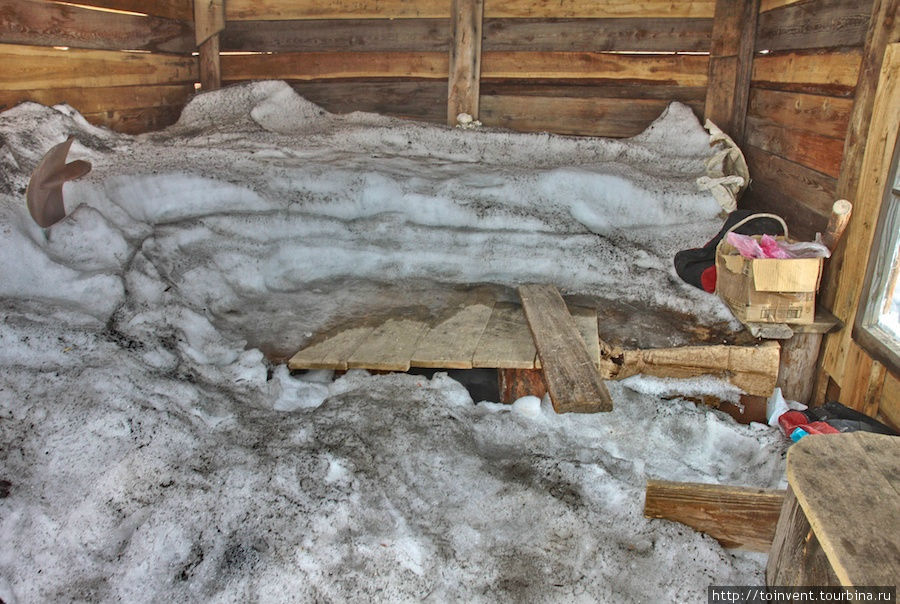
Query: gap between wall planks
[737,517]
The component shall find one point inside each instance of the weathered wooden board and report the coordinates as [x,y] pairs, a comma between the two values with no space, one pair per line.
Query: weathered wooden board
[572,377]
[889,407]
[136,120]
[586,324]
[331,352]
[338,35]
[773,174]
[767,5]
[737,517]
[683,70]
[335,65]
[451,343]
[275,10]
[820,153]
[47,24]
[832,73]
[647,9]
[819,24]
[797,557]
[99,100]
[827,474]
[35,67]
[586,116]
[815,113]
[171,9]
[588,89]
[594,35]
[753,369]
[390,346]
[250,10]
[416,99]
[506,341]
[465,59]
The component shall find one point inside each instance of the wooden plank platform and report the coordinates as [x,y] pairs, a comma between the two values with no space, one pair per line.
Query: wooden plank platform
[476,332]
[572,377]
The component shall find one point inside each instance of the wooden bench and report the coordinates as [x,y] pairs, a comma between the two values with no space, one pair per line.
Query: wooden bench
[840,522]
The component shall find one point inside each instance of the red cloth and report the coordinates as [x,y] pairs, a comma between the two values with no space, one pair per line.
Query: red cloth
[708,279]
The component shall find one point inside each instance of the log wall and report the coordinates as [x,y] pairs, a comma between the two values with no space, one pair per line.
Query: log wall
[581,67]
[806,62]
[120,66]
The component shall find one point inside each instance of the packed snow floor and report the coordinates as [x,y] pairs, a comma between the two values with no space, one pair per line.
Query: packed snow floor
[150,454]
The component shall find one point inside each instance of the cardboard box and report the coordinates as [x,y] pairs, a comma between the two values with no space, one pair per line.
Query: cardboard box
[767,290]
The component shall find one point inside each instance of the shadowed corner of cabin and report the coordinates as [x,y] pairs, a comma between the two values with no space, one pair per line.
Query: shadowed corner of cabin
[44,194]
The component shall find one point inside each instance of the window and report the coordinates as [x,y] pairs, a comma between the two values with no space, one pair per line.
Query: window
[877,325]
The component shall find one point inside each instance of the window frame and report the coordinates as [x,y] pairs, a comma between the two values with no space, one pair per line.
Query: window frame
[882,269]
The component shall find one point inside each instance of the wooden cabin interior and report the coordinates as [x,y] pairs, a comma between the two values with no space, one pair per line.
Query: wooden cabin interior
[794,82]
[809,90]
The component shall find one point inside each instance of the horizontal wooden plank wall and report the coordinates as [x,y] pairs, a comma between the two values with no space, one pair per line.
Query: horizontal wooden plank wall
[123,64]
[592,68]
[807,60]
[386,57]
[582,67]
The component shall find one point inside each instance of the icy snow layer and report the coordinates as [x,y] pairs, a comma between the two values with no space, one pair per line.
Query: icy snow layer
[149,456]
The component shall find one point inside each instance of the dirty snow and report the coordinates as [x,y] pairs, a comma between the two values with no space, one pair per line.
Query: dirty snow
[149,453]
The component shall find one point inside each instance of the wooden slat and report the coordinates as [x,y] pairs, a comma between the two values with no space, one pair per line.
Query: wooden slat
[451,343]
[819,114]
[335,65]
[773,174]
[827,474]
[684,70]
[585,116]
[796,557]
[506,341]
[820,153]
[136,120]
[593,35]
[417,99]
[389,347]
[646,9]
[818,24]
[171,9]
[586,324]
[465,59]
[572,377]
[332,352]
[249,10]
[889,407]
[34,67]
[737,517]
[828,73]
[42,23]
[767,5]
[99,100]
[336,35]
[275,10]
[587,89]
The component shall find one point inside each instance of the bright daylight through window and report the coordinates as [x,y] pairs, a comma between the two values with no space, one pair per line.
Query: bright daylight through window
[880,322]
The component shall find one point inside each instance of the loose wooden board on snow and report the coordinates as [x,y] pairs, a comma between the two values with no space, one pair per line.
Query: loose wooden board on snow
[572,377]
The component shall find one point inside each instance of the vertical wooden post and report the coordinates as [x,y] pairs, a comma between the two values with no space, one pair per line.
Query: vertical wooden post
[465,59]
[209,20]
[731,65]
